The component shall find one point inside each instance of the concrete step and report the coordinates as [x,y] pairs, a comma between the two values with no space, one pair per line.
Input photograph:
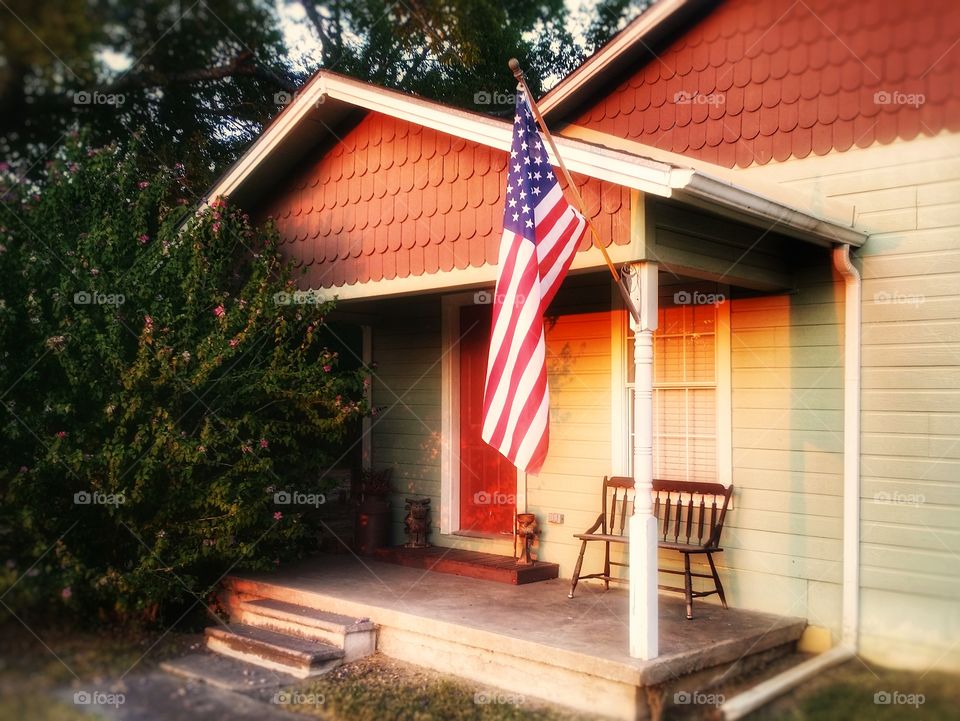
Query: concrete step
[294,655]
[357,637]
[226,672]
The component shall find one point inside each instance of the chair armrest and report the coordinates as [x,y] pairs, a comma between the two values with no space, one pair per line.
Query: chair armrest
[596,524]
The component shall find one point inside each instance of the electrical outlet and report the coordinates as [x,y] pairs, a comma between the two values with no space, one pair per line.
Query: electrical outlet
[555,517]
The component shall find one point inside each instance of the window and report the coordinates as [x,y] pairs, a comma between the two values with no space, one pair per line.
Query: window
[688,388]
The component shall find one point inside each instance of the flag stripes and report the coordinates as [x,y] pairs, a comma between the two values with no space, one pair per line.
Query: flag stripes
[540,238]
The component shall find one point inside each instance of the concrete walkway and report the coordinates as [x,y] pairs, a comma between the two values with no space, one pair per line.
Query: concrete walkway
[160,696]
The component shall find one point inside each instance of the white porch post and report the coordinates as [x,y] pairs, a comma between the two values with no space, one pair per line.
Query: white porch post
[644,615]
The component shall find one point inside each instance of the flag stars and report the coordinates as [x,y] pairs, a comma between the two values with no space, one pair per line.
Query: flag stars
[525,208]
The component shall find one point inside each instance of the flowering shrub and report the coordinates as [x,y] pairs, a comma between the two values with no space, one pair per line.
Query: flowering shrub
[155,397]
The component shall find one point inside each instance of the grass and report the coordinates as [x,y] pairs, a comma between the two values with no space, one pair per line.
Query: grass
[37,663]
[32,669]
[379,688]
[848,692]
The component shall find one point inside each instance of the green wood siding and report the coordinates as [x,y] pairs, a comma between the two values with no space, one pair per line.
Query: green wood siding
[907,195]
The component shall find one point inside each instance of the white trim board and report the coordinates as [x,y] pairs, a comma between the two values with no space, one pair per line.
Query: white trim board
[627,169]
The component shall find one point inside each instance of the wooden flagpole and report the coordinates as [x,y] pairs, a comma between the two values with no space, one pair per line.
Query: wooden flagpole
[572,188]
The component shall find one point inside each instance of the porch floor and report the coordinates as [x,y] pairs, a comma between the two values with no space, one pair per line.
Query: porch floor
[585,636]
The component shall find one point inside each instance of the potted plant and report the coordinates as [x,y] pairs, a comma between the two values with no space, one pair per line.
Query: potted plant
[373,512]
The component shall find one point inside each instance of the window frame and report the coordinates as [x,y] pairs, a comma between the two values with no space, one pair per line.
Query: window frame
[621,393]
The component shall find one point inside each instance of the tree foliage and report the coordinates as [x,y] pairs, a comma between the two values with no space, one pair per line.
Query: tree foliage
[158,389]
[198,86]
[450,50]
[198,81]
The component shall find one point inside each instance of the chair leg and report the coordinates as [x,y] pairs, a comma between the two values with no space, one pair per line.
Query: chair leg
[688,585]
[606,567]
[716,580]
[576,569]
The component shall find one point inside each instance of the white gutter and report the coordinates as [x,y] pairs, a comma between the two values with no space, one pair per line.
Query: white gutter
[710,189]
[752,699]
[850,630]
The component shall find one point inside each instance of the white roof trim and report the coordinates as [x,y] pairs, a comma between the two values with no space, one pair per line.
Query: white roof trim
[597,63]
[594,160]
[614,166]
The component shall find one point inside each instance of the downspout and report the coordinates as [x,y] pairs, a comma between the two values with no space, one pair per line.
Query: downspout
[752,699]
[850,628]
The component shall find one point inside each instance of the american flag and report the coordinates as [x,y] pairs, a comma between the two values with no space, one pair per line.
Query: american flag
[541,233]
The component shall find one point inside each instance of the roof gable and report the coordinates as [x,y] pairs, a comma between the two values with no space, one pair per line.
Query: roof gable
[761,80]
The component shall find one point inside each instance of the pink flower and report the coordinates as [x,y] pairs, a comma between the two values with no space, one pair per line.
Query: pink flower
[277,516]
[143,238]
[148,323]
[143,185]
[216,228]
[246,449]
[219,311]
[66,593]
[263,443]
[327,368]
[24,469]
[234,342]
[61,434]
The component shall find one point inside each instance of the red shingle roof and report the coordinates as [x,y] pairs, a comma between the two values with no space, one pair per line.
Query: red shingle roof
[773,79]
[394,199]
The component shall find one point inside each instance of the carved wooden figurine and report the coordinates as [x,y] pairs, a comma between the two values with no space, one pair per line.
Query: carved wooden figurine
[417,522]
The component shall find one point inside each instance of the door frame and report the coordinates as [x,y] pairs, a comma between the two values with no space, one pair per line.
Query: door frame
[450,413]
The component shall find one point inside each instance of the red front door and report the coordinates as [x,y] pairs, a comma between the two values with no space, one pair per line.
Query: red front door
[488,481]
